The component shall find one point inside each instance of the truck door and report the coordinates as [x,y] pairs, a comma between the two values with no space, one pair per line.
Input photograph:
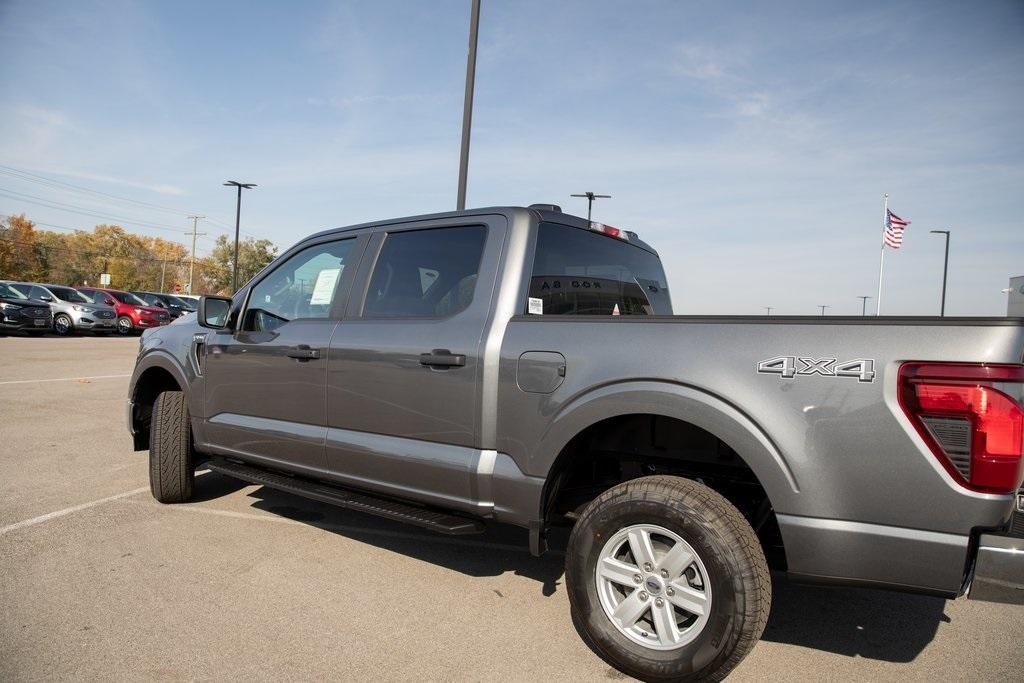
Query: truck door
[403,394]
[266,380]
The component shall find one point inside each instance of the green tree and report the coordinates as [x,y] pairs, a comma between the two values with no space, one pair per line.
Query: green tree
[253,256]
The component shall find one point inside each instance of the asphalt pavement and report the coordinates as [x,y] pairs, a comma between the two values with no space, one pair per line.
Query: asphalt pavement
[98,581]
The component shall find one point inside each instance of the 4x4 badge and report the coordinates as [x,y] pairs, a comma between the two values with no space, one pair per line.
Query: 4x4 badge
[861,368]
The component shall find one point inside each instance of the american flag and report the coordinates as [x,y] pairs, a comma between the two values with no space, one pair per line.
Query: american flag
[894,227]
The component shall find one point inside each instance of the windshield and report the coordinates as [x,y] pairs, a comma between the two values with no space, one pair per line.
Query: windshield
[182,303]
[9,292]
[127,298]
[68,294]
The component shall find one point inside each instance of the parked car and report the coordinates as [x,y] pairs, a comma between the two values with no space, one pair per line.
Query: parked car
[523,366]
[133,314]
[71,310]
[175,306]
[19,313]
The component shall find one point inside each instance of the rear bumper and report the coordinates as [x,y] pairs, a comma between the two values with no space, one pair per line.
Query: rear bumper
[998,570]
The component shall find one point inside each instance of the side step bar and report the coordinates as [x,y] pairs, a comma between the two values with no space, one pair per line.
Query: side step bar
[441,522]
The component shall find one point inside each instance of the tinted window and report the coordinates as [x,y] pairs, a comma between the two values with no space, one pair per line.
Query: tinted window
[304,286]
[10,292]
[128,298]
[38,293]
[578,272]
[426,273]
[67,294]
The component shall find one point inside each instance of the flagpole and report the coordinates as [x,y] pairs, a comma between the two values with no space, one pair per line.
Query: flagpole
[881,259]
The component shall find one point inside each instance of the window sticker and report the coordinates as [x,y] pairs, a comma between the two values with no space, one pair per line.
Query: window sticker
[536,306]
[323,290]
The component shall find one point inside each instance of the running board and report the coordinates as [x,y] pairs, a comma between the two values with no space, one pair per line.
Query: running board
[441,522]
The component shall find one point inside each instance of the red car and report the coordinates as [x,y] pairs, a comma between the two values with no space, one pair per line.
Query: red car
[133,314]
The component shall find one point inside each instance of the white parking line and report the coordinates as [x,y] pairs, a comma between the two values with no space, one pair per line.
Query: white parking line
[67,511]
[62,379]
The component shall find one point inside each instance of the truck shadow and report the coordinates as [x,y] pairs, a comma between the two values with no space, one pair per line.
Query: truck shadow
[856,622]
[874,624]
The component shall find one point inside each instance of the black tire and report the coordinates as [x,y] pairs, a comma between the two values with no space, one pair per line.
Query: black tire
[170,449]
[726,544]
[62,325]
[125,326]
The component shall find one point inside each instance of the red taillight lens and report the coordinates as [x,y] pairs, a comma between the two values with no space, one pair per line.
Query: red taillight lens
[609,230]
[975,429]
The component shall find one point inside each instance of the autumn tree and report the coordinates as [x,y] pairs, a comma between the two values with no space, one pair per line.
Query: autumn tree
[19,256]
[253,255]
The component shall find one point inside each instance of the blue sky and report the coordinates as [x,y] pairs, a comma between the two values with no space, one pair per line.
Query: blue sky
[750,143]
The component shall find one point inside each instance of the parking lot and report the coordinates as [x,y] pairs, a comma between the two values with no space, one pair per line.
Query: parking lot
[97,581]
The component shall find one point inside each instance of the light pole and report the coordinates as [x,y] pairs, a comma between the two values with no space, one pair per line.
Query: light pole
[590,199]
[238,219]
[769,309]
[945,268]
[192,265]
[467,104]
[863,304]
[823,307]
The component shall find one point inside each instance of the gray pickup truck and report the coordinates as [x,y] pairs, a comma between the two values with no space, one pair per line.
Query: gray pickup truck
[523,366]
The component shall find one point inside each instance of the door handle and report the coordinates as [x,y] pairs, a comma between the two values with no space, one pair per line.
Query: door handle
[302,352]
[442,358]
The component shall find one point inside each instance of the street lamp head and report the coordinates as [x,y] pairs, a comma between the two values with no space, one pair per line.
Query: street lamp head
[939,232]
[235,183]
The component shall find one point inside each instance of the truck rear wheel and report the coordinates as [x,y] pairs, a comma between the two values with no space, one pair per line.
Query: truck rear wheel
[170,449]
[667,580]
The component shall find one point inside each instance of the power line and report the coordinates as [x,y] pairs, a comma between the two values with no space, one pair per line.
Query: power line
[85,211]
[26,176]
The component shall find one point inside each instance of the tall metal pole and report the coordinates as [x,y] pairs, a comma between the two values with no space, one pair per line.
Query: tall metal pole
[823,307]
[163,271]
[590,200]
[192,265]
[467,104]
[238,220]
[945,269]
[863,304]
[234,263]
[881,259]
[769,309]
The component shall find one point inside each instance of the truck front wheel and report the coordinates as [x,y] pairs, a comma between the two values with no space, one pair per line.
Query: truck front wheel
[667,580]
[170,449]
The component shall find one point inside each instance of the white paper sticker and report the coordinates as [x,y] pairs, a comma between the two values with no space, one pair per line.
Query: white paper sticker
[323,290]
[536,306]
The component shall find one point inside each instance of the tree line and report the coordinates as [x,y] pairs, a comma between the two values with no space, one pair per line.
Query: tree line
[139,262]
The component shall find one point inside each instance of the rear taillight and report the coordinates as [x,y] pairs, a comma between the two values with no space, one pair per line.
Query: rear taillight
[972,418]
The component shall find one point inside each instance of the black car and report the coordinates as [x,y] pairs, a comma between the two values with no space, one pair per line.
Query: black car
[175,306]
[18,313]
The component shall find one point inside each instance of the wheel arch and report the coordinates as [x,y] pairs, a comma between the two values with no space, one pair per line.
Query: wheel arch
[684,403]
[155,373]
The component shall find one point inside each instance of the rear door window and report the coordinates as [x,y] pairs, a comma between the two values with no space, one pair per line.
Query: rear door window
[425,273]
[580,272]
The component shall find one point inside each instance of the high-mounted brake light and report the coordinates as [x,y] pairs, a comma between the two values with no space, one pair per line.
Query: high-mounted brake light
[610,231]
[972,418]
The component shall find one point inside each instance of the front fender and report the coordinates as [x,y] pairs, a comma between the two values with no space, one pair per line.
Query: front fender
[681,402]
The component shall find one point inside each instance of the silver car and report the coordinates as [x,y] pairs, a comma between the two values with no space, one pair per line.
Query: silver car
[71,311]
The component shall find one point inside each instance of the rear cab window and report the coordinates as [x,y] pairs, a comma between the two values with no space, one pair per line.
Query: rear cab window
[584,272]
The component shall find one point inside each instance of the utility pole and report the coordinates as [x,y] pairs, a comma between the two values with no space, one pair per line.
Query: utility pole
[945,269]
[467,104]
[192,266]
[238,220]
[823,307]
[863,304]
[590,199]
[769,309]
[163,270]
